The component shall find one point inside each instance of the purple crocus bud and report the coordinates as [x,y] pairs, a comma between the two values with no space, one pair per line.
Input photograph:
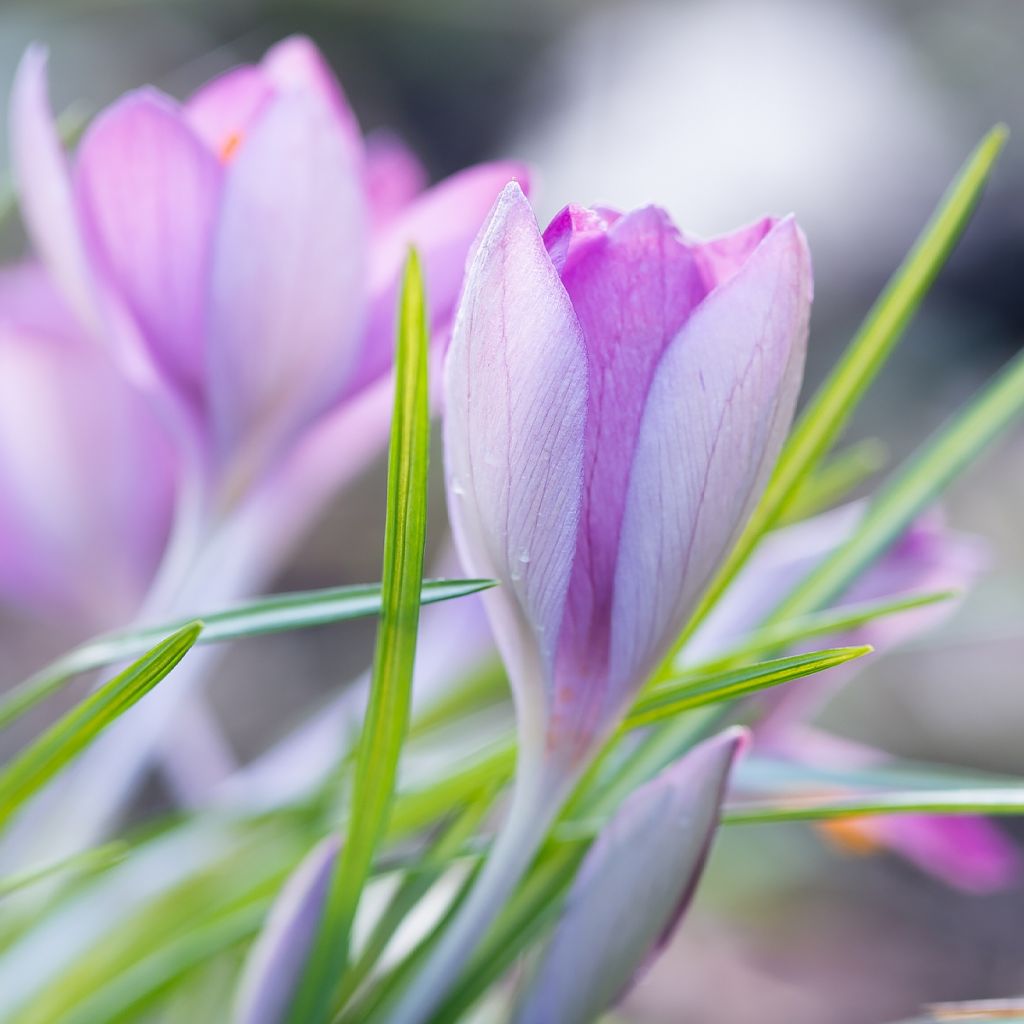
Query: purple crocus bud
[86,469]
[240,251]
[615,395]
[278,956]
[633,888]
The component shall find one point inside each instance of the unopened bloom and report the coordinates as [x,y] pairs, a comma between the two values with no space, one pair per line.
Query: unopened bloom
[633,888]
[615,397]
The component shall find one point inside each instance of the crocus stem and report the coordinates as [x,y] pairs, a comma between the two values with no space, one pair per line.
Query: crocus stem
[537,797]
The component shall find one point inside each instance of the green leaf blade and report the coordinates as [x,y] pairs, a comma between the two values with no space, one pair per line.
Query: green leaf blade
[69,736]
[274,614]
[387,715]
[670,699]
[832,405]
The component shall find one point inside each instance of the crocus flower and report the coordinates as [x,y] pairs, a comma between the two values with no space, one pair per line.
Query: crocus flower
[237,257]
[241,249]
[616,395]
[633,887]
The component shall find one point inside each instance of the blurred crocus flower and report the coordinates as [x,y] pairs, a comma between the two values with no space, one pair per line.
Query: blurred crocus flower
[615,397]
[632,889]
[969,853]
[241,250]
[236,258]
[966,852]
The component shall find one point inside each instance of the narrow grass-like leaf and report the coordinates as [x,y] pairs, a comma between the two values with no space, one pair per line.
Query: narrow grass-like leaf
[691,692]
[274,614]
[68,737]
[779,636]
[387,715]
[914,488]
[430,865]
[96,859]
[995,800]
[836,479]
[831,407]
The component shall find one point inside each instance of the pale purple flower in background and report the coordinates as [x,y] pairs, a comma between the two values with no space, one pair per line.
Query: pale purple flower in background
[633,887]
[615,397]
[969,852]
[236,257]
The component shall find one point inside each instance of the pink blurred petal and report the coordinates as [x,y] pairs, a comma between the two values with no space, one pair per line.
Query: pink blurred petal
[86,469]
[223,111]
[287,283]
[295,65]
[394,176]
[149,191]
[442,223]
[968,852]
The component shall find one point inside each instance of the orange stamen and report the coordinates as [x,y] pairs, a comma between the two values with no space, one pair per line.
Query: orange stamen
[229,147]
[852,835]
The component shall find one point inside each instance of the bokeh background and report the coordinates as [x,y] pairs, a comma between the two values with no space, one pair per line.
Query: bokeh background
[855,116]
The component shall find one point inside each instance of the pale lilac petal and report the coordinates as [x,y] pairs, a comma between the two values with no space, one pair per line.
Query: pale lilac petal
[394,176]
[515,393]
[148,190]
[719,408]
[632,889]
[275,962]
[44,189]
[287,282]
[295,65]
[223,111]
[86,469]
[442,224]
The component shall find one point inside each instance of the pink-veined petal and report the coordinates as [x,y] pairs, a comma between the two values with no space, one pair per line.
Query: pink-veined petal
[149,189]
[287,283]
[515,394]
[633,888]
[719,408]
